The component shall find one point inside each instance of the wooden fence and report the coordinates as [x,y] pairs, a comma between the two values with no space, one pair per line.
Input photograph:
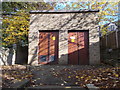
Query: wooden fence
[110,41]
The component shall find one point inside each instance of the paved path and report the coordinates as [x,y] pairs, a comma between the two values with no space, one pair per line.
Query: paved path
[43,75]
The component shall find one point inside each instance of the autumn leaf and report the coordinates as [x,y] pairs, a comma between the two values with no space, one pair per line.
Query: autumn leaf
[81,77]
[76,83]
[116,75]
[69,76]
[77,76]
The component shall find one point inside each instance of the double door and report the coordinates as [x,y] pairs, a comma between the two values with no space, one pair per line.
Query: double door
[78,47]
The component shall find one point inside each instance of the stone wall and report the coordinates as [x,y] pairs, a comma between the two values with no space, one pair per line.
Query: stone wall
[64,22]
[7,56]
[14,55]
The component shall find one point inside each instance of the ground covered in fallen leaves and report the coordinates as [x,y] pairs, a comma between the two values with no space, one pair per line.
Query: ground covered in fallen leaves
[13,74]
[102,76]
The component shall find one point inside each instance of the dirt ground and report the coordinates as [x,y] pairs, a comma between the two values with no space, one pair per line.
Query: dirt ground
[102,76]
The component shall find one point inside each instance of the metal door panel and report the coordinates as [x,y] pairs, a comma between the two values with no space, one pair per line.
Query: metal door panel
[72,48]
[48,47]
[43,47]
[53,52]
[83,47]
[78,48]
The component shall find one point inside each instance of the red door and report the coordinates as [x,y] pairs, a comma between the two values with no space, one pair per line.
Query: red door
[48,47]
[78,48]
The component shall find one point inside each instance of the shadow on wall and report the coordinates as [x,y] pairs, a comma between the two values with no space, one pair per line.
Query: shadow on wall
[34,56]
[81,24]
[82,55]
[21,56]
[79,57]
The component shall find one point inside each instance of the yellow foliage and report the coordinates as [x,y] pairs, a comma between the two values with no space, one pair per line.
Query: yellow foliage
[77,76]
[17,27]
[69,77]
[76,82]
[116,75]
[81,77]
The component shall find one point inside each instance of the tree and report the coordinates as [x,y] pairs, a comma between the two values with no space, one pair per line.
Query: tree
[16,29]
[16,21]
